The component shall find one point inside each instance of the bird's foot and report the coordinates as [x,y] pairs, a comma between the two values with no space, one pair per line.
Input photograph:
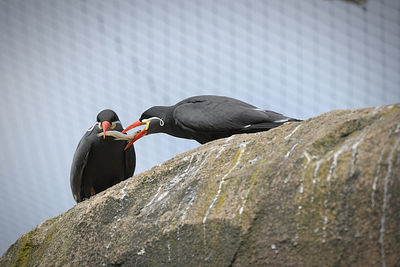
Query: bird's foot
[92,193]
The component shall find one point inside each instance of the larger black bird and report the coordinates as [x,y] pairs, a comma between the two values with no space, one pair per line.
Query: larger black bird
[206,118]
[99,161]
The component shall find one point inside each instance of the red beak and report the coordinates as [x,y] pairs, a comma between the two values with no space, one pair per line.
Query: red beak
[134,125]
[106,126]
[138,136]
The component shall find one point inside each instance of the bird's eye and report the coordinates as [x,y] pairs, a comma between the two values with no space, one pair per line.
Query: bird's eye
[114,124]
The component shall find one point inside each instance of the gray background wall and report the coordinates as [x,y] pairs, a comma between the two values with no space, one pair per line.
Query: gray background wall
[61,62]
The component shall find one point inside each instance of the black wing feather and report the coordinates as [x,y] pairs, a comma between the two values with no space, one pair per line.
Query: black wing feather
[223,114]
[130,161]
[78,167]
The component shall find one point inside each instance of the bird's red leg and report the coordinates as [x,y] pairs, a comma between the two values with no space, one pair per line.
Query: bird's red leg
[92,192]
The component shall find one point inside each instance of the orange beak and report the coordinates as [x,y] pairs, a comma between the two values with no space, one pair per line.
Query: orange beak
[138,136]
[133,125]
[106,126]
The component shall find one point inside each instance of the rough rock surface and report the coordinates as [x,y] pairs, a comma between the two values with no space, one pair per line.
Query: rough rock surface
[322,192]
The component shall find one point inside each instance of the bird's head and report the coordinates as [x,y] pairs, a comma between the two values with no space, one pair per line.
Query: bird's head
[153,121]
[108,120]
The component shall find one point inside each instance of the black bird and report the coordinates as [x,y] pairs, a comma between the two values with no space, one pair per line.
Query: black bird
[206,118]
[100,162]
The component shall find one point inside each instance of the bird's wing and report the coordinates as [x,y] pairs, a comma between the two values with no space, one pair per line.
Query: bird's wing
[130,161]
[78,167]
[222,114]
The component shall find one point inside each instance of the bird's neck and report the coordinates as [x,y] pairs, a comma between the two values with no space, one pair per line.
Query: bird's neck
[167,115]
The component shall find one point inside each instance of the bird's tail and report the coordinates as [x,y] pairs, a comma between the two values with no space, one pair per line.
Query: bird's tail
[265,126]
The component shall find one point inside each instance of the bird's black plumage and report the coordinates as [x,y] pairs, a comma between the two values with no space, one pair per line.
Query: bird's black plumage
[209,117]
[99,162]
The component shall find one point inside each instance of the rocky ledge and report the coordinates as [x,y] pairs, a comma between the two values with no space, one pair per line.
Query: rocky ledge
[322,192]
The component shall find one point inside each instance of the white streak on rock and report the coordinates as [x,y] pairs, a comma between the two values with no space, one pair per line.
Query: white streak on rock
[295,129]
[155,196]
[220,151]
[332,171]
[192,172]
[325,221]
[242,207]
[142,251]
[243,145]
[230,138]
[334,161]
[204,235]
[317,165]
[244,202]
[301,190]
[186,176]
[307,156]
[187,209]
[384,204]
[273,139]
[253,160]
[354,153]
[290,151]
[397,130]
[169,252]
[190,162]
[376,110]
[378,170]
[163,195]
[123,193]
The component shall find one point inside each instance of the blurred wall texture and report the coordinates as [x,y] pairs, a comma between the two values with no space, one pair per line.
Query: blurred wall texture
[61,62]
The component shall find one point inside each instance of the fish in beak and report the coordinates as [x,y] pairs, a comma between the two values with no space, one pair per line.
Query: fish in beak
[142,132]
[139,135]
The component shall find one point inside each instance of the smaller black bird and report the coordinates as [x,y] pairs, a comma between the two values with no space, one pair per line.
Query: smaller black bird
[100,162]
[206,118]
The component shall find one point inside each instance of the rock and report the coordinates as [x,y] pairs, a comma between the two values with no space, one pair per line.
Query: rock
[325,191]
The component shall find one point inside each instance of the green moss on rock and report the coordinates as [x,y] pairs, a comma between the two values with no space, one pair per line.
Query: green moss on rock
[25,249]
